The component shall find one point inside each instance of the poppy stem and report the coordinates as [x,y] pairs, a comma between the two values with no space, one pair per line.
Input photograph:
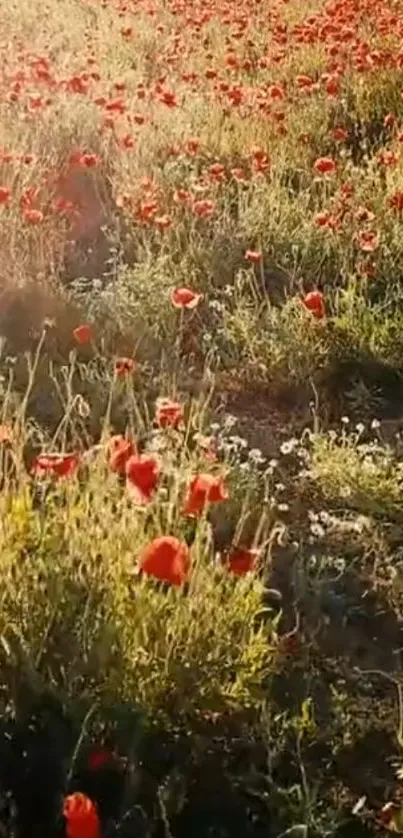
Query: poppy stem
[108,411]
[32,368]
[80,739]
[178,351]
[136,410]
[68,405]
[261,270]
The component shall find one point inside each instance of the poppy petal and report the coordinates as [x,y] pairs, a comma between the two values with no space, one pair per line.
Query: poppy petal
[167,559]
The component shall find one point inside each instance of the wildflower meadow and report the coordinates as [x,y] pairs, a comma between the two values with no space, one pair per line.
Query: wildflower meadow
[201,418]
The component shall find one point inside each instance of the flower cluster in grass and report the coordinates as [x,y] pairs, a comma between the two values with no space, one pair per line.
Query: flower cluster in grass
[160,145]
[111,547]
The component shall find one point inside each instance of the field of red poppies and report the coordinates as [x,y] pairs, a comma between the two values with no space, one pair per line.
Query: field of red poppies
[201,393]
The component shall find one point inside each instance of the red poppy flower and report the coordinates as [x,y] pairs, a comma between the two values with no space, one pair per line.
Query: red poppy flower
[89,161]
[304,82]
[388,158]
[120,450]
[364,214]
[240,560]
[55,464]
[325,166]
[339,134]
[167,559]
[142,475]
[185,298]
[260,160]
[204,489]
[324,219]
[203,208]
[127,141]
[239,175]
[396,201]
[168,98]
[4,195]
[314,302]
[367,240]
[81,816]
[77,84]
[117,106]
[168,414]
[193,145]
[181,196]
[124,366]
[253,255]
[147,210]
[65,207]
[332,87]
[33,216]
[217,172]
[74,157]
[83,334]
[275,91]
